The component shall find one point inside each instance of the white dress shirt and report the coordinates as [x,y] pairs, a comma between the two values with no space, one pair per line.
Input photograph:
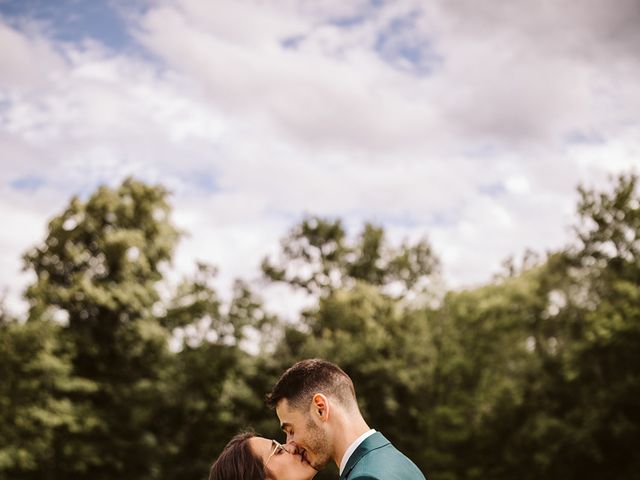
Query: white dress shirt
[352,448]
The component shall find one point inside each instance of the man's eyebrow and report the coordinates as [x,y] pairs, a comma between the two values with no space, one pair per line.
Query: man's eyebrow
[285,425]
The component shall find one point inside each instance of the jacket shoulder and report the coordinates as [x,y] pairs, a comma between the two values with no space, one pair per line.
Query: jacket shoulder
[385,463]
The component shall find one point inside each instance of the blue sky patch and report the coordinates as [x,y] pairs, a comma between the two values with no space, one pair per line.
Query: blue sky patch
[28,183]
[578,137]
[486,150]
[293,42]
[349,22]
[401,219]
[203,181]
[443,219]
[74,21]
[493,190]
[402,45]
[354,20]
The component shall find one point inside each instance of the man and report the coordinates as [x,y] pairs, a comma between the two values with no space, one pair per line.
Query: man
[317,407]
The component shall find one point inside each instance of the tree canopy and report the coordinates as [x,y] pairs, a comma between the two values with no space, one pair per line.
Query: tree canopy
[114,372]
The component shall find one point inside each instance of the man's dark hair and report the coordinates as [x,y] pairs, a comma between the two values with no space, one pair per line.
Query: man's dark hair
[237,461]
[306,378]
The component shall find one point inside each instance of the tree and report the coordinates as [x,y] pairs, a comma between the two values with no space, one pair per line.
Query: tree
[318,257]
[570,410]
[35,398]
[214,386]
[386,348]
[531,375]
[150,412]
[606,266]
[98,268]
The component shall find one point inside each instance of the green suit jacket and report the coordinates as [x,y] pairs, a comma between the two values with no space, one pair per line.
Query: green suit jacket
[376,458]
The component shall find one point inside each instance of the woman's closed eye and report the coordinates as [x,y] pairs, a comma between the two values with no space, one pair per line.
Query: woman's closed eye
[278,448]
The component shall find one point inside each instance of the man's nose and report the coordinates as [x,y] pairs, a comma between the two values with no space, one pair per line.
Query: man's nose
[291,447]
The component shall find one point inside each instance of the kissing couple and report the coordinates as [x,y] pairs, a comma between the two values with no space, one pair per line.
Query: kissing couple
[316,404]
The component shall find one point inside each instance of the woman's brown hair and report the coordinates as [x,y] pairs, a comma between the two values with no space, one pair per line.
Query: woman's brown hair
[237,461]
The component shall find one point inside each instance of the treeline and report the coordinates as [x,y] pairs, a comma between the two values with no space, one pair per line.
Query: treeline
[534,375]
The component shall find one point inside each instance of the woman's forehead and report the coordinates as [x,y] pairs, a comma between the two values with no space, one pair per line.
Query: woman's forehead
[261,446]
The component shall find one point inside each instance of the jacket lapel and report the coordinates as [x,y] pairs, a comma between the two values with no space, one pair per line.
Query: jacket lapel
[370,443]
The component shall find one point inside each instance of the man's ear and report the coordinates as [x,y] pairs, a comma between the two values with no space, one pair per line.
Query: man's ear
[320,406]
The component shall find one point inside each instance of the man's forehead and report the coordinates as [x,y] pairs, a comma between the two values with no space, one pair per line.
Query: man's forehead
[283,407]
[287,415]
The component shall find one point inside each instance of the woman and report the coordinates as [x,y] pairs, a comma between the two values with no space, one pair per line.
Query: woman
[248,457]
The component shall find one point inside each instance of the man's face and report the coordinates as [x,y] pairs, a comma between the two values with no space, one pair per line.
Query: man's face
[306,433]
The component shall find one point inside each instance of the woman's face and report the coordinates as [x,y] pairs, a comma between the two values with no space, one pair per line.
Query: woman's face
[280,462]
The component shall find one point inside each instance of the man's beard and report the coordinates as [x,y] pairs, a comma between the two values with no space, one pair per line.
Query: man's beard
[318,444]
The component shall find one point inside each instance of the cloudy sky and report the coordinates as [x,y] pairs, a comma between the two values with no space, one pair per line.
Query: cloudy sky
[467,122]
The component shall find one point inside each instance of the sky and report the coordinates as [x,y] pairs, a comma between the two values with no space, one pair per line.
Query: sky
[468,123]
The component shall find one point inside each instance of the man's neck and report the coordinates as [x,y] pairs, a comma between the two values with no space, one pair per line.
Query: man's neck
[349,432]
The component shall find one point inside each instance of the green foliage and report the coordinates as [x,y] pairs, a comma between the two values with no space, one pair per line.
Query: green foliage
[99,267]
[533,375]
[35,402]
[209,400]
[388,350]
[317,256]
[105,252]
[605,386]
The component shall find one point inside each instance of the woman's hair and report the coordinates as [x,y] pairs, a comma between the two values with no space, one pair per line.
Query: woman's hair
[237,461]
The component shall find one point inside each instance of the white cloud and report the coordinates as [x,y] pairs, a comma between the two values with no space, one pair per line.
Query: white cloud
[19,71]
[24,223]
[471,147]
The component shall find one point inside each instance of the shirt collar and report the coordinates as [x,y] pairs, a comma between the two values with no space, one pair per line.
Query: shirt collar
[352,448]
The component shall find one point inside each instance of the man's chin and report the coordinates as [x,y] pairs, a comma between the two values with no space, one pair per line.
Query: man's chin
[316,465]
